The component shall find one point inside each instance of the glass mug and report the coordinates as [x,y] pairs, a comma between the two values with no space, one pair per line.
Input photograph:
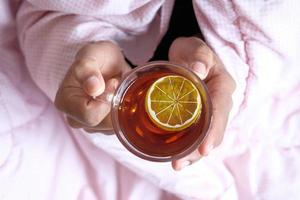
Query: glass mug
[161,111]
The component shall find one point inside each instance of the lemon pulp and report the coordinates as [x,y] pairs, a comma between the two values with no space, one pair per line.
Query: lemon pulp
[173,103]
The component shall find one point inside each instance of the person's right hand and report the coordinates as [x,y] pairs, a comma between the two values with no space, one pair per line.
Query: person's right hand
[195,54]
[90,81]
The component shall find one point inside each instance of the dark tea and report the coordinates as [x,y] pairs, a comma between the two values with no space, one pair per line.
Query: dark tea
[175,124]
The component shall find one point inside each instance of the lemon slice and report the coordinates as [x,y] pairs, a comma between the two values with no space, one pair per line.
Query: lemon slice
[173,103]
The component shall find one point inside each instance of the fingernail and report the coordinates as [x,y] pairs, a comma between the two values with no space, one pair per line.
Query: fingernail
[200,69]
[92,80]
[91,85]
[185,164]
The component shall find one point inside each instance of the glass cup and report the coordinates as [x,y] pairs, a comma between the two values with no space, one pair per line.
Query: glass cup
[138,133]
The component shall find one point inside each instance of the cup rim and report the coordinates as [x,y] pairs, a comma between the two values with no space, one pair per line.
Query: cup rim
[134,150]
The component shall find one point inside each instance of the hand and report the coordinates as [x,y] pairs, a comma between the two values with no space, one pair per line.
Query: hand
[90,81]
[195,54]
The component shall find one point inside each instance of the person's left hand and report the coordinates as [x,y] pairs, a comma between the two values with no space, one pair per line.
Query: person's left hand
[193,53]
[84,93]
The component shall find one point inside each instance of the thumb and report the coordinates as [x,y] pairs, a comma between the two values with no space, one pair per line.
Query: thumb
[94,85]
[200,69]
[193,53]
[111,86]
[87,73]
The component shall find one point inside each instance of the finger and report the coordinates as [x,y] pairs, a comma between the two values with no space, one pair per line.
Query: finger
[105,126]
[186,161]
[193,53]
[200,69]
[87,72]
[88,67]
[107,55]
[214,138]
[190,49]
[220,89]
[103,104]
[216,132]
[84,109]
[107,95]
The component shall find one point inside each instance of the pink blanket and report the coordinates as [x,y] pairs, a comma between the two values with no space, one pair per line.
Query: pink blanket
[42,158]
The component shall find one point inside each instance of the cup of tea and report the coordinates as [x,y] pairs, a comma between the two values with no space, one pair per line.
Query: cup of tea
[161,111]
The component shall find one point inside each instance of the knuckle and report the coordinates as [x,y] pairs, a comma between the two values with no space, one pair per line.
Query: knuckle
[206,55]
[90,120]
[230,85]
[199,41]
[204,50]
[83,64]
